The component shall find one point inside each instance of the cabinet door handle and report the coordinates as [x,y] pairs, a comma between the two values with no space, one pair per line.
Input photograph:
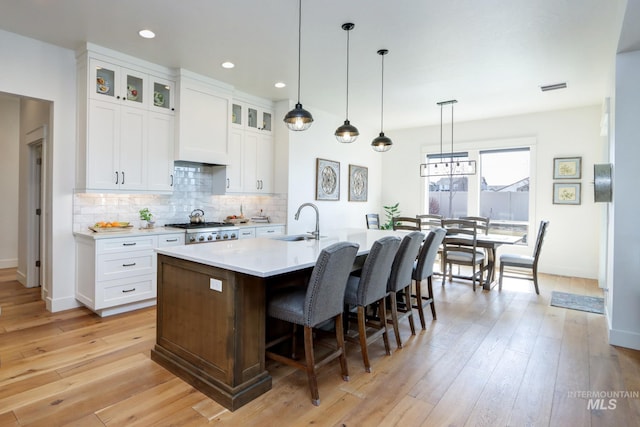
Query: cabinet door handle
[170,240]
[124,291]
[271,231]
[122,177]
[228,182]
[171,180]
[129,244]
[117,177]
[129,265]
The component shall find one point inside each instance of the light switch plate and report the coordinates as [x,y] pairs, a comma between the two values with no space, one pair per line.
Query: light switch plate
[215,285]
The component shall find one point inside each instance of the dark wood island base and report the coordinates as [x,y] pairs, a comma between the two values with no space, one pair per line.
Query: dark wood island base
[211,330]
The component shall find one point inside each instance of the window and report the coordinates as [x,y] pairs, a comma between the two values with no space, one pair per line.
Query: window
[504,189]
[499,191]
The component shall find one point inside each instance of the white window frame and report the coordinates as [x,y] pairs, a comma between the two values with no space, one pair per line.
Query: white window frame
[473,148]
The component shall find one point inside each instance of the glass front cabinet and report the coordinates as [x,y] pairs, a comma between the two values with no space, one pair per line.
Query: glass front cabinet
[251,117]
[110,82]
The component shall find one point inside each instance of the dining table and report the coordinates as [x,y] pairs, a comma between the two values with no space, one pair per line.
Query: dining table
[492,242]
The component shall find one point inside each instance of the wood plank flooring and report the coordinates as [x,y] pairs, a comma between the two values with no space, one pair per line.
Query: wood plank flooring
[491,359]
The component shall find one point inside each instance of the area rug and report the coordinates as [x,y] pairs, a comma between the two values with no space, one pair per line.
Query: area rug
[577,302]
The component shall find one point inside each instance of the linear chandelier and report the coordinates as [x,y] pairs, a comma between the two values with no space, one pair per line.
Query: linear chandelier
[451,167]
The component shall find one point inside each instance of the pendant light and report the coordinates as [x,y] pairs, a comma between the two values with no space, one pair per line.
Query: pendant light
[452,167]
[347,133]
[382,143]
[298,119]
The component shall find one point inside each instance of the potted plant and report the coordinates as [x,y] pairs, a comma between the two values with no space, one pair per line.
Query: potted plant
[390,212]
[147,216]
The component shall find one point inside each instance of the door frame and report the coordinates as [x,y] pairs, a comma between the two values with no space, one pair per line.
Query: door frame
[36,140]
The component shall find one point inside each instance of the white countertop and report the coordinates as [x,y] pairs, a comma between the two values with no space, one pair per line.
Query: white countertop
[264,257]
[131,232]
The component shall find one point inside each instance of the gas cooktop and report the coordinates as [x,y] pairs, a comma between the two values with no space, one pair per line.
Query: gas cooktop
[190,226]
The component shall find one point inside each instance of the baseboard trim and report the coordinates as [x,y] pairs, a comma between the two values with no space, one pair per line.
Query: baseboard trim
[9,263]
[625,339]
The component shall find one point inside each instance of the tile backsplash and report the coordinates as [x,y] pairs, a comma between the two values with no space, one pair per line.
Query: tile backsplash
[192,190]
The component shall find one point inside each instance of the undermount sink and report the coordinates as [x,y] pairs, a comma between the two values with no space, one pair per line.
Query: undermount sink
[294,237]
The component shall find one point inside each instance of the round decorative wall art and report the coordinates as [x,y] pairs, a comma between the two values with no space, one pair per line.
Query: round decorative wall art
[327,180]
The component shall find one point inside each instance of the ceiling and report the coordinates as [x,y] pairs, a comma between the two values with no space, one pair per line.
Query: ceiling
[490,55]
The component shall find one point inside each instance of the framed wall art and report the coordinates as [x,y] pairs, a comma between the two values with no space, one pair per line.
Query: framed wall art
[566,193]
[358,183]
[327,180]
[567,168]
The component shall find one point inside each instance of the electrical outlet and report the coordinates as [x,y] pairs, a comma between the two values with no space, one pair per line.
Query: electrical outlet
[215,285]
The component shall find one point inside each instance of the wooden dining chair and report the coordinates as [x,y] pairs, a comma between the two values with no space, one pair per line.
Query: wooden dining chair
[400,280]
[373,221]
[522,266]
[321,301]
[482,223]
[429,221]
[368,290]
[405,223]
[460,248]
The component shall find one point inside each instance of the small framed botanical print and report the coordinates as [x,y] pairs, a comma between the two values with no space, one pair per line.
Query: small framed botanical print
[566,193]
[567,168]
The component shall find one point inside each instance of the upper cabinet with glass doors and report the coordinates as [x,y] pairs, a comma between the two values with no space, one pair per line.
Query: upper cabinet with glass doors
[251,117]
[115,83]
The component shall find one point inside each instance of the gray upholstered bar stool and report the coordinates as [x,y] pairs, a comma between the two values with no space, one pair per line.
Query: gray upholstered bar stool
[370,290]
[321,301]
[400,282]
[423,269]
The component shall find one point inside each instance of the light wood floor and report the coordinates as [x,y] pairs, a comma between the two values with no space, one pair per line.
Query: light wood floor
[490,359]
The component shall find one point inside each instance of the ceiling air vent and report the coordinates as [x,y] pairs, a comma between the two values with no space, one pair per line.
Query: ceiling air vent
[553,87]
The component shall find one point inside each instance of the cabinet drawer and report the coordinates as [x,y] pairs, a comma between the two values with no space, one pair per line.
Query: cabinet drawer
[165,240]
[121,244]
[128,264]
[269,231]
[247,233]
[118,292]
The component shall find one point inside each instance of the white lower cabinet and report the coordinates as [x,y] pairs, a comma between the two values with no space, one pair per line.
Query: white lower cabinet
[247,233]
[271,230]
[118,274]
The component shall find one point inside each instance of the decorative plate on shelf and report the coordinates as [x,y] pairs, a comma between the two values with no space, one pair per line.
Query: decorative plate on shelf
[132,93]
[102,85]
[158,99]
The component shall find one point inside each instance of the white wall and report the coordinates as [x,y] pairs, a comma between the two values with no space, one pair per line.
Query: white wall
[24,63]
[624,292]
[572,244]
[301,149]
[9,134]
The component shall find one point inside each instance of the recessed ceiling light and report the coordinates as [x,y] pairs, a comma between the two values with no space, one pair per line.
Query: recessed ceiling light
[228,64]
[280,85]
[147,34]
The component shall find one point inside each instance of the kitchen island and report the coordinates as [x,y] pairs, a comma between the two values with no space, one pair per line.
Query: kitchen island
[211,314]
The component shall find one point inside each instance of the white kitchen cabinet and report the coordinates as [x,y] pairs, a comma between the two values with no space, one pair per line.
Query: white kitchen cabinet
[159,152]
[203,128]
[250,167]
[126,142]
[116,145]
[269,230]
[247,233]
[118,274]
[251,117]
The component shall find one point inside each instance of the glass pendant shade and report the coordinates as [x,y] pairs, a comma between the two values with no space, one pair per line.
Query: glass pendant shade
[381,143]
[298,119]
[347,133]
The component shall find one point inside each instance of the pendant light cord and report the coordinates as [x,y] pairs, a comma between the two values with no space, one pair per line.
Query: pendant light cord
[441,132]
[382,98]
[347,112]
[299,44]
